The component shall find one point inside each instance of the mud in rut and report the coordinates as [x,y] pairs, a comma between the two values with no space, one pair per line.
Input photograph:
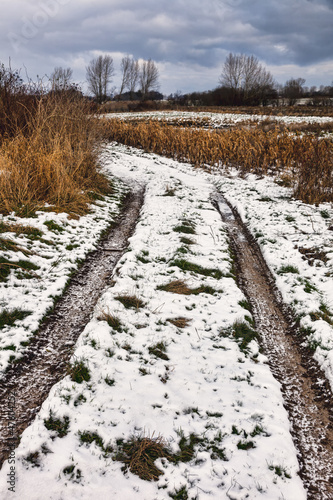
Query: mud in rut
[46,359]
[307,396]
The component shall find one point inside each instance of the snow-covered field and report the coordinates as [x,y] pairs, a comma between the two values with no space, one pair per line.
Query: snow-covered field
[153,374]
[217,120]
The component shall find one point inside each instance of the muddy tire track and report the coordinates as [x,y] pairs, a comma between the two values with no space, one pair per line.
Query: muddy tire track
[306,392]
[46,358]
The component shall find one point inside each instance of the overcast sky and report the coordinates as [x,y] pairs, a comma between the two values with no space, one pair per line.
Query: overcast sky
[188,39]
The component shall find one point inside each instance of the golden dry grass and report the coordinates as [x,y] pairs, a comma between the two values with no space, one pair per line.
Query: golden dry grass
[176,286]
[52,160]
[139,455]
[179,322]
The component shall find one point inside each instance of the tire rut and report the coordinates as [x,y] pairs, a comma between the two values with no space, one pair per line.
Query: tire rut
[27,384]
[306,392]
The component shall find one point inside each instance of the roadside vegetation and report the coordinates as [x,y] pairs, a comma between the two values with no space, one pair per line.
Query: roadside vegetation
[48,149]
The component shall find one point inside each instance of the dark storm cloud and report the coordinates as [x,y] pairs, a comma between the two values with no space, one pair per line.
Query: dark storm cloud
[303,27]
[176,34]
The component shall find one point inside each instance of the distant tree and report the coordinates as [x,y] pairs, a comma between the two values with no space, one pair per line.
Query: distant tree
[177,98]
[247,78]
[61,78]
[99,76]
[125,73]
[232,72]
[134,73]
[293,90]
[130,75]
[148,77]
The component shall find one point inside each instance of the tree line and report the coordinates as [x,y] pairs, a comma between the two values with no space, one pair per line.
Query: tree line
[245,81]
[139,79]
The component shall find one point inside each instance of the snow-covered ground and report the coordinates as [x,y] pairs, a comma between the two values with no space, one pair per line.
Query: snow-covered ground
[152,377]
[55,244]
[171,367]
[296,240]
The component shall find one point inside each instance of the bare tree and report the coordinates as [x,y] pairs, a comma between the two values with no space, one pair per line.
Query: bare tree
[99,76]
[134,73]
[246,76]
[130,74]
[293,90]
[232,72]
[61,78]
[148,77]
[125,73]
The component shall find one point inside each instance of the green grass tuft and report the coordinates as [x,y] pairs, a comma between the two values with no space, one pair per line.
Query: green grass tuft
[60,426]
[288,269]
[53,226]
[21,265]
[325,214]
[79,372]
[180,494]
[187,241]
[8,318]
[87,437]
[159,350]
[245,445]
[280,471]
[186,227]
[184,265]
[242,332]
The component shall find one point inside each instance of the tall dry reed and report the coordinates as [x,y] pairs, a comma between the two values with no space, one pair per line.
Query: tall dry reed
[52,159]
[304,159]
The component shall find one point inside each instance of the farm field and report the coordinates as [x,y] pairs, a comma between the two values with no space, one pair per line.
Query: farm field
[217,120]
[171,364]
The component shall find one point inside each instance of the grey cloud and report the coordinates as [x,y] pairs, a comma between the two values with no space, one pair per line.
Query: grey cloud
[172,32]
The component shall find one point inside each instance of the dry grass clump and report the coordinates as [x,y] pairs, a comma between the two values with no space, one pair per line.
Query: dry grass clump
[176,286]
[180,287]
[139,455]
[52,159]
[179,322]
[130,301]
[314,176]
[30,231]
[307,159]
[112,320]
[10,245]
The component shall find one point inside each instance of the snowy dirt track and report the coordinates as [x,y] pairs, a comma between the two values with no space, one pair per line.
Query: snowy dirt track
[45,360]
[170,366]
